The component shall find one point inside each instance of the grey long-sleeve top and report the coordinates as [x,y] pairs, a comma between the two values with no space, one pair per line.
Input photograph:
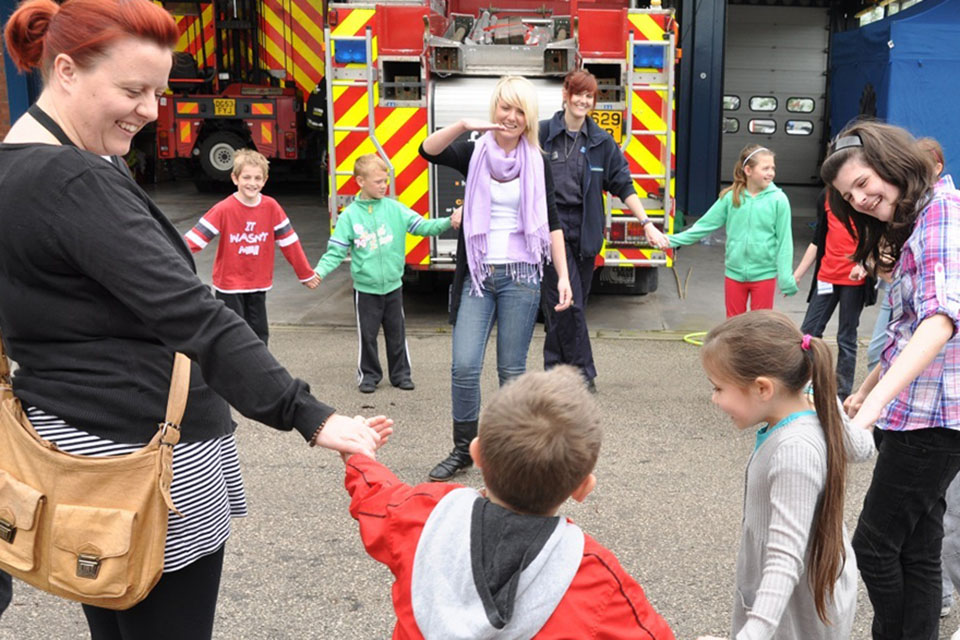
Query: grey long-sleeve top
[784,483]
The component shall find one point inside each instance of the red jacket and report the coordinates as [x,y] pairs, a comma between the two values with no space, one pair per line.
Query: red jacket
[602,601]
[244,261]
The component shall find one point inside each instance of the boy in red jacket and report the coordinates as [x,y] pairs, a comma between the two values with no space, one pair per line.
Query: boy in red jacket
[250,223]
[502,563]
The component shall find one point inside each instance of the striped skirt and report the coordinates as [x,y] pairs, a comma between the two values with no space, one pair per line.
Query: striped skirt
[207,487]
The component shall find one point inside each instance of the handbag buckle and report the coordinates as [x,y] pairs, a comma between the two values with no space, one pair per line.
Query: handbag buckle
[7,531]
[88,566]
[164,427]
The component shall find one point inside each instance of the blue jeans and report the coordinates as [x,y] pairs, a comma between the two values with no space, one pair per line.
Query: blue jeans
[512,306]
[900,531]
[879,337]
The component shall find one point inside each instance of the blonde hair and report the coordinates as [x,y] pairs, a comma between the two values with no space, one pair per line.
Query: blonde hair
[250,157]
[519,92]
[367,162]
[767,344]
[749,157]
[539,438]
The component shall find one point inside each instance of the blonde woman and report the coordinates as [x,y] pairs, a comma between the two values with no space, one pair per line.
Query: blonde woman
[510,229]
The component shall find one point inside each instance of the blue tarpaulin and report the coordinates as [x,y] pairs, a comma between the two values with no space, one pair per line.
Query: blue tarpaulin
[909,64]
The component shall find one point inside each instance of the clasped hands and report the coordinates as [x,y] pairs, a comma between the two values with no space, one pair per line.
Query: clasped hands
[354,435]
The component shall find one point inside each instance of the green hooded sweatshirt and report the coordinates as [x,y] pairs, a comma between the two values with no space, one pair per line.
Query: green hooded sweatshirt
[759,237]
[375,232]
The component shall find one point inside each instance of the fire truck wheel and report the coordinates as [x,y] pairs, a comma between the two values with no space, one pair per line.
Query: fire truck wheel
[216,154]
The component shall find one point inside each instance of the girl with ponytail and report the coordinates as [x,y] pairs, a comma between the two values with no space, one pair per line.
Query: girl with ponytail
[796,572]
[759,251]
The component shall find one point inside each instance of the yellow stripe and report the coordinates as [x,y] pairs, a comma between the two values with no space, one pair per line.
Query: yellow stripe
[647,27]
[650,119]
[384,132]
[315,30]
[647,161]
[266,132]
[294,42]
[354,116]
[353,24]
[185,131]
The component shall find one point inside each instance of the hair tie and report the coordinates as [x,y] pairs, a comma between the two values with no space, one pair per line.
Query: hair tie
[805,342]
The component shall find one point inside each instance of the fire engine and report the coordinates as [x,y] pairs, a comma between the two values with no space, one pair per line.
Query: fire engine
[247,73]
[397,70]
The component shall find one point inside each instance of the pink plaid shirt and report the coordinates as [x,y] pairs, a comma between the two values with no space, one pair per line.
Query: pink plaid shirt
[927,282]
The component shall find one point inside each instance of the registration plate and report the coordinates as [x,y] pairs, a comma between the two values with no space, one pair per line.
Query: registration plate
[224,107]
[611,122]
[618,275]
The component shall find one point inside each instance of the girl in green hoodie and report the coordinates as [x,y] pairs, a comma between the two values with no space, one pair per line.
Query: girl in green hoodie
[756,214]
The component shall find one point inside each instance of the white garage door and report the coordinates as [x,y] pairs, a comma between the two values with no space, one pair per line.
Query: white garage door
[774,87]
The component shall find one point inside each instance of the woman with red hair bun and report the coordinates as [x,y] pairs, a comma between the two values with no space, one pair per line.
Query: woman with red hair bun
[586,161]
[98,291]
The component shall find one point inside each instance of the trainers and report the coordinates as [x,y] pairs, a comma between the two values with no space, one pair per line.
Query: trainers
[945,608]
[956,635]
[407,385]
[592,386]
[367,387]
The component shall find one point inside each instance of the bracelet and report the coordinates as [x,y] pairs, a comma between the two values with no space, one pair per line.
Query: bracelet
[313,438]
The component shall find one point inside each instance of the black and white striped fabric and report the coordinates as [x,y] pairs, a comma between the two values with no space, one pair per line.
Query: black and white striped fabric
[207,487]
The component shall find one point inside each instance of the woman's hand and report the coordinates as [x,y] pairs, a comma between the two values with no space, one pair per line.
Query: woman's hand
[858,272]
[353,435]
[564,294]
[655,237]
[474,124]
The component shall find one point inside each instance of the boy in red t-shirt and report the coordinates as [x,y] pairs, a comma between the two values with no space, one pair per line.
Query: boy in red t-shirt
[503,564]
[836,280]
[250,224]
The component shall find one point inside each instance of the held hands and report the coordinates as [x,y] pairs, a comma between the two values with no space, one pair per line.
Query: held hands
[474,124]
[456,217]
[565,294]
[355,435]
[313,282]
[858,272]
[656,237]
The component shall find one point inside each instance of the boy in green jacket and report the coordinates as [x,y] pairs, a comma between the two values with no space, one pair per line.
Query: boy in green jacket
[374,229]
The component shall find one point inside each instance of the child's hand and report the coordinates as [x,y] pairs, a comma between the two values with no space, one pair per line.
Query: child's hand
[313,282]
[858,272]
[456,217]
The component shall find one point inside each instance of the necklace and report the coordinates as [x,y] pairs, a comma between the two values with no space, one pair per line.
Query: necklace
[568,150]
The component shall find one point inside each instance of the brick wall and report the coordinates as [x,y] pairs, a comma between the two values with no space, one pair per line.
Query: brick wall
[4,102]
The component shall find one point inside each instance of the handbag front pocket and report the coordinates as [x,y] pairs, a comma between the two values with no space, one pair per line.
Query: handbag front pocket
[90,549]
[20,506]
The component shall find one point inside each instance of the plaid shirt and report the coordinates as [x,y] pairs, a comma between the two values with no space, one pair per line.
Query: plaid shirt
[927,282]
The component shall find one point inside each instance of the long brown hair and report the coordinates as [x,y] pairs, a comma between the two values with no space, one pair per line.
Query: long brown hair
[766,343]
[897,158]
[739,175]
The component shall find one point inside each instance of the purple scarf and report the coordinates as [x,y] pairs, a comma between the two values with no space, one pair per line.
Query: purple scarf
[489,161]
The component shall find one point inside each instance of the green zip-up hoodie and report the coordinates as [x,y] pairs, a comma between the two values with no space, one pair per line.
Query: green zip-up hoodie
[375,232]
[759,237]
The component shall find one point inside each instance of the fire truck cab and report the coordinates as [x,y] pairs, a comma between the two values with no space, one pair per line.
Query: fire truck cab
[398,70]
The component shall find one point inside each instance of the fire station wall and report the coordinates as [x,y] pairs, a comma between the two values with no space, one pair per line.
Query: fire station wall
[775,87]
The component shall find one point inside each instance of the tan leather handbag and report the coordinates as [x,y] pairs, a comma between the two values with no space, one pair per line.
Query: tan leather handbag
[88,529]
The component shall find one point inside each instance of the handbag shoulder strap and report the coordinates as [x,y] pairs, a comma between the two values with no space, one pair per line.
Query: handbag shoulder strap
[5,380]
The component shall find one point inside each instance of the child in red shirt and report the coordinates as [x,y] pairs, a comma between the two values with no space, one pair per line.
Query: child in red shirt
[502,563]
[250,223]
[837,280]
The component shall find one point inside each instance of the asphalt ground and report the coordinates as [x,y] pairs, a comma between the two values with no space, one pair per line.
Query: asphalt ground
[671,470]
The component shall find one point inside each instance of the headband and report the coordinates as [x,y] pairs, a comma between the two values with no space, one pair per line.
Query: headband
[750,155]
[846,142]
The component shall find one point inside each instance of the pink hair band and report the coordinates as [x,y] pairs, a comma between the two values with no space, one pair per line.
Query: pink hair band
[805,342]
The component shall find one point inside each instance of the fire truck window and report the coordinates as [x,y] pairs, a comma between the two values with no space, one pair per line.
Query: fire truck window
[800,105]
[798,127]
[731,125]
[731,103]
[763,103]
[766,127]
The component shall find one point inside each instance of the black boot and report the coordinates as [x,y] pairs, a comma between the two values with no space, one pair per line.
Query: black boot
[459,459]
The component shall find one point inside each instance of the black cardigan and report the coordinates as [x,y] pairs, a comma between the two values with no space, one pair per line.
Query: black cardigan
[457,156]
[97,292]
[820,239]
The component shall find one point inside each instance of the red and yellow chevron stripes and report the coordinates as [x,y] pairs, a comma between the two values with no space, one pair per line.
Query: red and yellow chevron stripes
[291,38]
[649,26]
[400,130]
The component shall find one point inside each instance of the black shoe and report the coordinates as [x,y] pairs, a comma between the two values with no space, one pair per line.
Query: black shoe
[459,459]
[406,385]
[450,466]
[592,386]
[367,387]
